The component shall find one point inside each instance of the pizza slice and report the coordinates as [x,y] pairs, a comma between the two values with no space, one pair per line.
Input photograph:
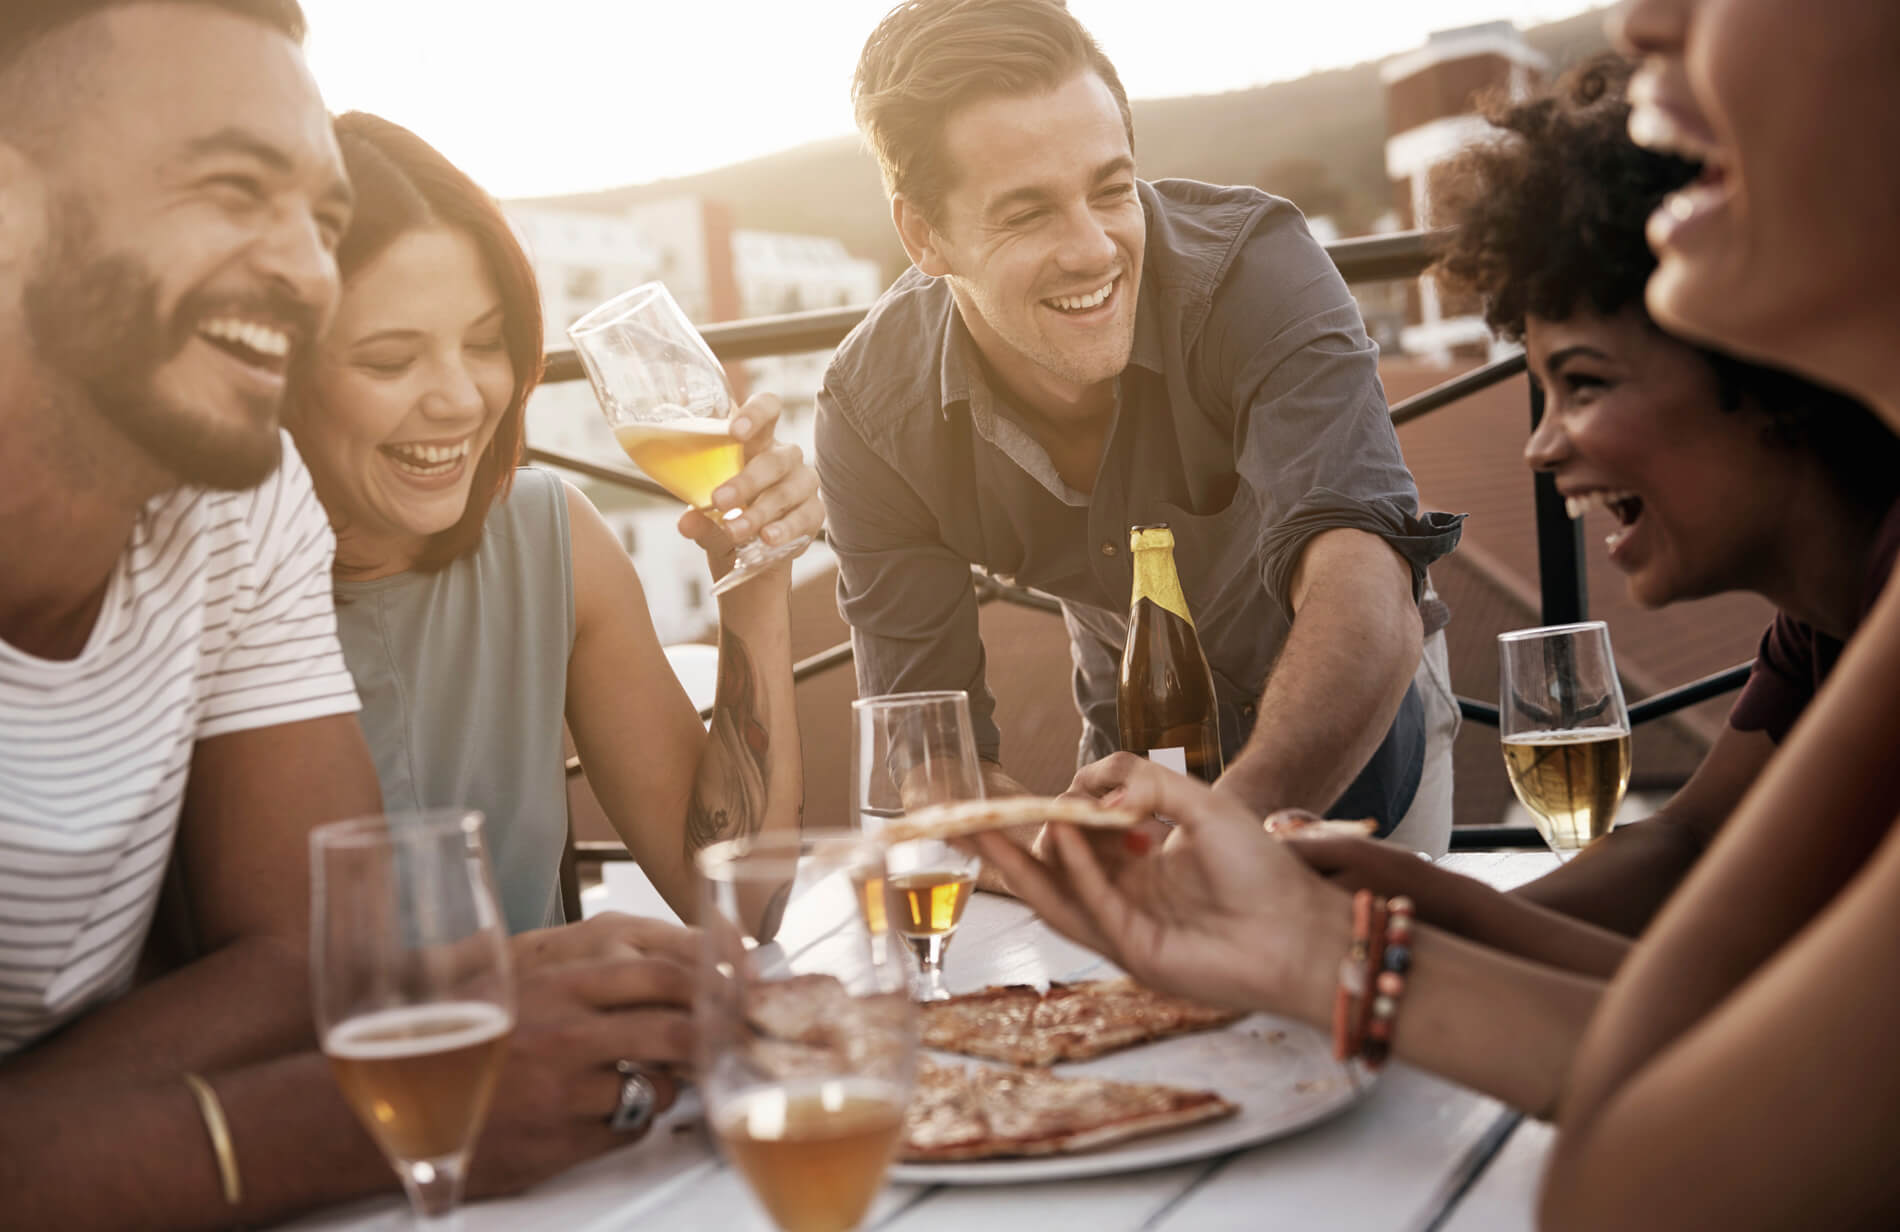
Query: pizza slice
[962,818]
[979,1112]
[1023,1025]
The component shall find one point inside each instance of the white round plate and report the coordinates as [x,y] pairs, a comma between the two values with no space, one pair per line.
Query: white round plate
[1282,1075]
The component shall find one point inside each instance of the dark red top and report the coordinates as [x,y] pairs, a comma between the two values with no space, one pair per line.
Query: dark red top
[1795,657]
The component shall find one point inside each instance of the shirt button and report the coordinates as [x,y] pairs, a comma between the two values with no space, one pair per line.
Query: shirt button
[1108,549]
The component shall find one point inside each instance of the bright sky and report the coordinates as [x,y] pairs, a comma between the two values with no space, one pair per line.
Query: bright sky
[547,96]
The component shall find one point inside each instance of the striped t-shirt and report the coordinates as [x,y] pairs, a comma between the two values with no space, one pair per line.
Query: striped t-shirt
[217,618]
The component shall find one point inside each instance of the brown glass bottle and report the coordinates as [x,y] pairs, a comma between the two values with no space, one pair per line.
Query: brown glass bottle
[1165,703]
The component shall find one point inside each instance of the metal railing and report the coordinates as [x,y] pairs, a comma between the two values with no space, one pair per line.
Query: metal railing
[1405,254]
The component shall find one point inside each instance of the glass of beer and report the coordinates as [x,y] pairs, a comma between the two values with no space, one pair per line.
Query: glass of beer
[909,750]
[665,396]
[806,1051]
[414,994]
[1565,729]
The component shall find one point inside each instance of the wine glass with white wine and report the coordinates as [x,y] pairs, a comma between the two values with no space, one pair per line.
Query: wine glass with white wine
[909,750]
[806,1053]
[414,994]
[665,395]
[1565,729]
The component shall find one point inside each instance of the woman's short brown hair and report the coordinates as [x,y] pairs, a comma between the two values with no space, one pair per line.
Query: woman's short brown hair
[404,184]
[928,58]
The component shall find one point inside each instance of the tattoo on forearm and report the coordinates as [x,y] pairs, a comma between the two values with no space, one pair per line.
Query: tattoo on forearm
[729,793]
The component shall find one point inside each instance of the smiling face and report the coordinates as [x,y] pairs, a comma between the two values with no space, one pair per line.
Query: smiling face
[1786,248]
[1041,239]
[1633,423]
[403,397]
[191,208]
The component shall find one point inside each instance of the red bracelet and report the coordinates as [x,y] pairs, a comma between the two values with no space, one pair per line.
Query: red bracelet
[1394,961]
[1353,974]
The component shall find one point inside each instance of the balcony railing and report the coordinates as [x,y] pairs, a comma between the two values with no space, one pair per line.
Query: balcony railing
[1406,254]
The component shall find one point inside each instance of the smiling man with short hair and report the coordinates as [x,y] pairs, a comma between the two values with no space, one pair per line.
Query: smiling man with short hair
[1077,350]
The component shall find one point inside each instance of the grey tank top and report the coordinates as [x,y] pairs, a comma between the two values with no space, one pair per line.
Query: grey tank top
[463,680]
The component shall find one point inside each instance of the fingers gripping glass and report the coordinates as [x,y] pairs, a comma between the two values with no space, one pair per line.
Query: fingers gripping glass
[909,750]
[1565,729]
[665,396]
[414,995]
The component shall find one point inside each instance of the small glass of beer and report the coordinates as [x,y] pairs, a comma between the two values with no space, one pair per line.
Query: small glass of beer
[1565,729]
[909,750]
[665,395]
[806,1052]
[414,993]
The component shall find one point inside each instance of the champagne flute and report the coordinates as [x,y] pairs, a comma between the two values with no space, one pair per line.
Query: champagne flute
[414,994]
[666,397]
[909,750]
[1565,729]
[806,1055]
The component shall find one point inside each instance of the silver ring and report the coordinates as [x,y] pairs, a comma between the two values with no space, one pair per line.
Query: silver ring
[639,1099]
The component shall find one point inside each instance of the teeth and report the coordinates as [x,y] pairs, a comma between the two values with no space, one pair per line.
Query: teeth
[1077,303]
[1602,498]
[427,457]
[260,338]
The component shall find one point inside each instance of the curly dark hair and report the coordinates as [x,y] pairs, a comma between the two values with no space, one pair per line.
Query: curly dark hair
[1547,220]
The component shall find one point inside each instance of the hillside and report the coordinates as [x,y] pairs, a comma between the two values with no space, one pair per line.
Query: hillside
[1334,121]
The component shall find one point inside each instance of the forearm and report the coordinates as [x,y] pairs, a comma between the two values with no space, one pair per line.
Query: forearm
[1354,647]
[1621,881]
[1490,1021]
[117,1154]
[750,779]
[246,1002]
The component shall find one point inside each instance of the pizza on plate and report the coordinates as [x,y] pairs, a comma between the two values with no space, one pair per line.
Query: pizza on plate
[987,1112]
[1025,1025]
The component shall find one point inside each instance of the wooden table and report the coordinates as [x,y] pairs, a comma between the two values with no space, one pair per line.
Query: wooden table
[1413,1154]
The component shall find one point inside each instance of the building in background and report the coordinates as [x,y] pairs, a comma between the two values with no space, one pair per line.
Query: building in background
[716,273]
[1431,96]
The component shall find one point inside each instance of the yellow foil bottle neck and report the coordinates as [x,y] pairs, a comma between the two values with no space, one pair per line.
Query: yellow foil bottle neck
[1155,576]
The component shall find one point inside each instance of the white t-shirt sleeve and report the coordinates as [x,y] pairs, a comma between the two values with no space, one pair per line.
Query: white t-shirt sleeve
[281,662]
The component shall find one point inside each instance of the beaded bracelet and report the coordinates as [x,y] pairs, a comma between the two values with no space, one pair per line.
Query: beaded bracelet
[1394,962]
[1352,977]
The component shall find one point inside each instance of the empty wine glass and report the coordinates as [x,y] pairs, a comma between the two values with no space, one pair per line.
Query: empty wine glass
[1565,729]
[665,395]
[806,1053]
[909,750]
[414,995]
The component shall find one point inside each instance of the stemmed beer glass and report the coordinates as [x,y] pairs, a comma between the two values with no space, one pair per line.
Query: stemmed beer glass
[665,396]
[909,750]
[1565,729]
[414,993]
[806,1053]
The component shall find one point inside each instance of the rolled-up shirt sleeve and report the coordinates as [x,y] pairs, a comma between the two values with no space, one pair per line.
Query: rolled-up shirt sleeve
[1285,346]
[908,598]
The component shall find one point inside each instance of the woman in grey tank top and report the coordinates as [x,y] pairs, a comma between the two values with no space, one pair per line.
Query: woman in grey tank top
[480,605]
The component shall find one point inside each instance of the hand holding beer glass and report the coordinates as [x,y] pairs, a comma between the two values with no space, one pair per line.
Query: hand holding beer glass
[414,995]
[665,395]
[909,750]
[1565,729]
[806,1057]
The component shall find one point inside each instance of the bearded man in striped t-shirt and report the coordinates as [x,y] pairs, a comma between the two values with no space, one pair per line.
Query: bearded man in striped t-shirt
[170,680]
[171,690]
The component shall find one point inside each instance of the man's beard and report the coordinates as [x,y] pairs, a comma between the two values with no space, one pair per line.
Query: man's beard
[93,319]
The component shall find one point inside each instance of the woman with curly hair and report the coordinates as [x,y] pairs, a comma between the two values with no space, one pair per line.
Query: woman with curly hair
[1720,475]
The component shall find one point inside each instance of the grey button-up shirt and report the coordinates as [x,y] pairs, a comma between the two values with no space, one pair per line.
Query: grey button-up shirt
[1249,419]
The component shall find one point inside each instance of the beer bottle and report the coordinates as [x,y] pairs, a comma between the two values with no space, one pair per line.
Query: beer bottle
[1165,703]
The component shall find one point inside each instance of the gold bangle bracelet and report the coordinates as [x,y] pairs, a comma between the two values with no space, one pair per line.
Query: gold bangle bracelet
[220,1130]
